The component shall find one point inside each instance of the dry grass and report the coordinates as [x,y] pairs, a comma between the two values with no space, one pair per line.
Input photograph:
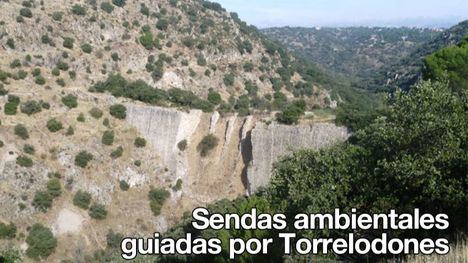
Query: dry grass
[458,254]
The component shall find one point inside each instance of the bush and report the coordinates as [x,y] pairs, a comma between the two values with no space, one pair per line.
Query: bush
[208,143]
[117,152]
[21,131]
[42,201]
[11,43]
[162,24]
[178,185]
[107,7]
[40,80]
[24,161]
[81,117]
[139,142]
[54,125]
[147,40]
[70,131]
[29,149]
[62,65]
[87,48]
[7,231]
[292,113]
[82,199]
[118,111]
[54,187]
[95,113]
[83,158]
[15,63]
[114,239]
[10,108]
[228,79]
[182,145]
[124,186]
[78,10]
[98,211]
[108,137]
[70,101]
[214,97]
[119,3]
[157,197]
[31,107]
[26,12]
[56,72]
[41,242]
[57,16]
[68,42]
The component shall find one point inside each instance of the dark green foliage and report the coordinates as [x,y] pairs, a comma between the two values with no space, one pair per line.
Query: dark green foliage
[31,107]
[98,211]
[117,152]
[139,142]
[81,118]
[162,24]
[157,197]
[124,186]
[147,40]
[292,113]
[15,63]
[62,65]
[70,101]
[11,43]
[10,108]
[118,111]
[214,97]
[208,143]
[7,231]
[182,145]
[54,187]
[56,72]
[57,16]
[213,6]
[119,3]
[42,201]
[21,131]
[228,79]
[83,158]
[24,161]
[248,67]
[53,125]
[26,12]
[113,239]
[178,185]
[115,57]
[68,42]
[87,48]
[78,9]
[201,61]
[95,113]
[29,149]
[137,163]
[70,131]
[82,199]
[40,80]
[108,137]
[107,7]
[41,242]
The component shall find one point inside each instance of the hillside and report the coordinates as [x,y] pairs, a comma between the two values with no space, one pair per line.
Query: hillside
[354,51]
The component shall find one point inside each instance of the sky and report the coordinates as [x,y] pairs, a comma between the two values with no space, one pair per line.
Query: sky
[312,13]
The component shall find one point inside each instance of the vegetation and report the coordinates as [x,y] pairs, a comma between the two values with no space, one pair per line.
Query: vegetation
[182,145]
[42,201]
[82,199]
[54,187]
[41,242]
[29,149]
[21,131]
[117,152]
[78,9]
[53,125]
[292,113]
[95,113]
[157,197]
[108,137]
[24,161]
[118,111]
[70,101]
[83,158]
[208,143]
[7,231]
[87,48]
[124,186]
[139,142]
[98,211]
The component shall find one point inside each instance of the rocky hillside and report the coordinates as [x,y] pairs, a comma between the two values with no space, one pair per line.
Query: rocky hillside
[119,116]
[354,51]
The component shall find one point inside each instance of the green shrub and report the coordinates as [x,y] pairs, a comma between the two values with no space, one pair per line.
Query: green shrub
[124,186]
[42,201]
[70,131]
[117,152]
[70,101]
[10,108]
[83,158]
[137,163]
[57,16]
[162,24]
[292,113]
[108,137]
[29,149]
[31,107]
[21,131]
[118,111]
[115,56]
[201,61]
[81,117]
[24,161]
[214,97]
[82,199]
[182,145]
[41,242]
[119,3]
[95,113]
[19,19]
[7,231]
[98,211]
[62,65]
[147,40]
[107,7]
[40,80]
[228,79]
[68,42]
[54,187]
[157,197]
[178,185]
[1,143]
[208,143]
[114,240]
[54,125]
[87,48]
[36,72]
[11,43]
[139,142]
[26,12]
[78,10]
[22,74]
[56,72]
[15,63]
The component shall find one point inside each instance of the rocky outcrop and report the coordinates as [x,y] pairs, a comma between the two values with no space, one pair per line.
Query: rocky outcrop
[270,142]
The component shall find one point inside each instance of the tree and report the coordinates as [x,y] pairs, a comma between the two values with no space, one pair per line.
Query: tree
[157,197]
[98,211]
[82,199]
[42,201]
[118,111]
[292,113]
[82,159]
[208,143]
[41,242]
